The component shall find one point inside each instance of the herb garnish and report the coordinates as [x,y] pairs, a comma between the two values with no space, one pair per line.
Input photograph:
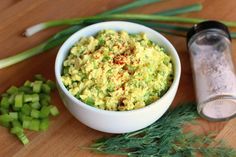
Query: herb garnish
[164,138]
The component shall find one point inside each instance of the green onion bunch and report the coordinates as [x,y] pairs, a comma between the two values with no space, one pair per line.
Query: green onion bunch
[150,20]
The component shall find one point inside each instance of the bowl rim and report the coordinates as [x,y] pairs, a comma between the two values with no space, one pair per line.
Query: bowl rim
[174,57]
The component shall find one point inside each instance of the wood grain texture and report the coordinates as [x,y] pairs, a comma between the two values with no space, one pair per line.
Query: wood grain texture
[66,134]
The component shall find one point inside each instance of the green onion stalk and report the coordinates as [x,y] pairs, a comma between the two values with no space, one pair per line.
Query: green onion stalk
[132,5]
[54,41]
[61,36]
[186,9]
[77,21]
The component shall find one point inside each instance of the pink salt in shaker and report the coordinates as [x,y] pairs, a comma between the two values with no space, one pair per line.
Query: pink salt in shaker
[209,45]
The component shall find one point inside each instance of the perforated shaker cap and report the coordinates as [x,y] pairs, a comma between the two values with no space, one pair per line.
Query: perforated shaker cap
[207,25]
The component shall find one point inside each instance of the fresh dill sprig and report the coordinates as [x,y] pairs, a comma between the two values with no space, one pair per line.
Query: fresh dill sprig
[164,138]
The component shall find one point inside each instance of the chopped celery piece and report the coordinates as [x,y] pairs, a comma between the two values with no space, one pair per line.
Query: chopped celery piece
[27,83]
[35,113]
[26,89]
[26,118]
[13,115]
[44,123]
[54,111]
[16,123]
[31,97]
[44,112]
[20,116]
[51,84]
[4,110]
[26,109]
[19,100]
[45,97]
[46,88]
[27,98]
[37,86]
[39,77]
[16,130]
[23,138]
[23,117]
[34,125]
[90,101]
[35,105]
[26,124]
[14,108]
[12,90]
[35,97]
[44,103]
[5,118]
[11,99]
[5,102]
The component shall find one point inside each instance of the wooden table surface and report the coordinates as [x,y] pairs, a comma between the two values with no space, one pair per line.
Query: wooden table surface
[66,134]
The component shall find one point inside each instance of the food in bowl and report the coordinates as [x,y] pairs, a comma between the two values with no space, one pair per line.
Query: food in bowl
[117,71]
[117,121]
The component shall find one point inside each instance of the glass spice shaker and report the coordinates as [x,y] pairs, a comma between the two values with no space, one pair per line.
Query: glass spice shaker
[209,45]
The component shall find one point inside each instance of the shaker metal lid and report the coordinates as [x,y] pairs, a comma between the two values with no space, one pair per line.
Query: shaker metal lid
[207,25]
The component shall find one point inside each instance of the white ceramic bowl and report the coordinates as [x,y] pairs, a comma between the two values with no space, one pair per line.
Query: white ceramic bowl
[117,121]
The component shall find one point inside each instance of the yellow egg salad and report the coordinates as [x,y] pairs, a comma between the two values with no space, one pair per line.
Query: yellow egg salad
[117,71]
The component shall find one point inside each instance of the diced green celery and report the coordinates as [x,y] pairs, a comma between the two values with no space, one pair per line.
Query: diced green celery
[27,83]
[26,124]
[11,99]
[35,97]
[44,112]
[19,100]
[54,111]
[27,98]
[14,108]
[20,116]
[35,105]
[46,88]
[26,118]
[34,125]
[89,101]
[44,103]
[45,97]
[13,115]
[4,110]
[16,130]
[44,124]
[16,123]
[51,84]
[26,109]
[35,113]
[5,118]
[39,77]
[23,117]
[31,97]
[12,90]
[26,89]
[37,86]
[5,102]
[23,138]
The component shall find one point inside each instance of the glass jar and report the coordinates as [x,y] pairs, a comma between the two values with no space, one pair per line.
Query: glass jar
[209,45]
